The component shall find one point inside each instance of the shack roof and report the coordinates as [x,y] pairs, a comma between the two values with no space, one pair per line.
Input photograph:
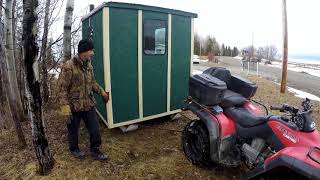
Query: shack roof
[140,7]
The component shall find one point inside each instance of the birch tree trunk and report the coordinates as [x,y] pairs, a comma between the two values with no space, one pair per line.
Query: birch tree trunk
[14,26]
[1,1]
[67,30]
[11,66]
[2,92]
[3,98]
[10,79]
[40,142]
[43,57]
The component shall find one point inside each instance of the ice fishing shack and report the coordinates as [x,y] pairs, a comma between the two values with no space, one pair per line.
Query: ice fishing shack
[142,58]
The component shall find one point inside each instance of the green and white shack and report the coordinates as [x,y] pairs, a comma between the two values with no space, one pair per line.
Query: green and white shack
[142,58]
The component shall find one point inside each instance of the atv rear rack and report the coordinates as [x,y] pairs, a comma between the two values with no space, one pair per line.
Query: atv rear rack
[310,154]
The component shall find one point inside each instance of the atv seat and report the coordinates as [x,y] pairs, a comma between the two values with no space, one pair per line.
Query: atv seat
[245,117]
[232,99]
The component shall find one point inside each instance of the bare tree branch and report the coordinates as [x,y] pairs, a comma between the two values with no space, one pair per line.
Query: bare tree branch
[43,52]
[60,37]
[58,13]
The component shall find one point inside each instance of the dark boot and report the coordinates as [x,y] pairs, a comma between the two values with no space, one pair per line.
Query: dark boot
[98,155]
[77,154]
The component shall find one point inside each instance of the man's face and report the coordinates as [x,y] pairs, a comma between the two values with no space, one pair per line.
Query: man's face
[87,55]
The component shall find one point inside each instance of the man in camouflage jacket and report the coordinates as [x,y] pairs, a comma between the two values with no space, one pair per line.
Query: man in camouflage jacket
[77,84]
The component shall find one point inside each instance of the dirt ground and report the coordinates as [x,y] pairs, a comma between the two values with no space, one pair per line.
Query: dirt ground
[152,152]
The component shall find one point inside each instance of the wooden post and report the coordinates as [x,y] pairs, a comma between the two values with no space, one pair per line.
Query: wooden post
[285,49]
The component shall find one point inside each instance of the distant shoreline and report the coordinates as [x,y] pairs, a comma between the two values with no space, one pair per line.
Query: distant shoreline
[301,61]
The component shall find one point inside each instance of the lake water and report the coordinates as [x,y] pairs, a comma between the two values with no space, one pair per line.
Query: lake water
[308,59]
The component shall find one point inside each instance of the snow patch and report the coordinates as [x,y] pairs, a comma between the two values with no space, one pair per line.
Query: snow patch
[204,60]
[302,94]
[238,57]
[196,72]
[309,70]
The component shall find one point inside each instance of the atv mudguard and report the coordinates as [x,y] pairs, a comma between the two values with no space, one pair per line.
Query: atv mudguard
[213,129]
[221,132]
[302,160]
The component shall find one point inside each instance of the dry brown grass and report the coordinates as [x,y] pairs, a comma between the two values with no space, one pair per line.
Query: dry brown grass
[152,152]
[269,94]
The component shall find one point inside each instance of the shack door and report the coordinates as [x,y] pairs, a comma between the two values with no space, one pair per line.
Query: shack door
[154,63]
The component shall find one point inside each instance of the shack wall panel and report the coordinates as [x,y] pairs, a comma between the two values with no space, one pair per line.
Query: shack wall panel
[124,64]
[180,60]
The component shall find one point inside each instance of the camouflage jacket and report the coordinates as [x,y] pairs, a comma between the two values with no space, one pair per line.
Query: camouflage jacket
[77,84]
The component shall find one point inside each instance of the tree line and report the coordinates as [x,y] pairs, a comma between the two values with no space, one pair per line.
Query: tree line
[228,51]
[209,44]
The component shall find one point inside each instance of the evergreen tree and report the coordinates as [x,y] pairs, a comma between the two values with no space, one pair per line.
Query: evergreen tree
[235,51]
[210,45]
[197,42]
[227,51]
[223,50]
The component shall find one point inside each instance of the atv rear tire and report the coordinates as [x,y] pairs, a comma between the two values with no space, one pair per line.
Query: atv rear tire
[196,144]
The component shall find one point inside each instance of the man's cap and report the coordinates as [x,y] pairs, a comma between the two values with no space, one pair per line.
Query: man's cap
[85,45]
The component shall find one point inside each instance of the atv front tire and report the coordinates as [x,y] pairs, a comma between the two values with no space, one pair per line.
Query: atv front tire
[196,144]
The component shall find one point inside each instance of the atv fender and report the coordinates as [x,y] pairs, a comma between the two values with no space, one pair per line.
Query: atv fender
[213,129]
[302,160]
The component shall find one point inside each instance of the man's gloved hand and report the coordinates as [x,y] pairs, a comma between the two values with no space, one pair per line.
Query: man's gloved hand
[106,97]
[65,110]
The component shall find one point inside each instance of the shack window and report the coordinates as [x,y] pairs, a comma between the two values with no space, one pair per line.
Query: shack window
[154,37]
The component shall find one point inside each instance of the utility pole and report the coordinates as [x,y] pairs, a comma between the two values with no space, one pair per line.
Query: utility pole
[285,48]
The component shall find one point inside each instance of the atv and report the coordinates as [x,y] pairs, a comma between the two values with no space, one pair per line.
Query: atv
[232,131]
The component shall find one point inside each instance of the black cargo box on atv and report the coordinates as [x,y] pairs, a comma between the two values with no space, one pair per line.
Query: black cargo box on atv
[206,89]
[219,72]
[235,83]
[242,86]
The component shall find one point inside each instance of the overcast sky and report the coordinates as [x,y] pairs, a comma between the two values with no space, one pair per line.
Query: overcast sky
[239,22]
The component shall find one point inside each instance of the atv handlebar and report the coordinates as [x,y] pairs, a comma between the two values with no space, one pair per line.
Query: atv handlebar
[277,108]
[285,108]
[291,109]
